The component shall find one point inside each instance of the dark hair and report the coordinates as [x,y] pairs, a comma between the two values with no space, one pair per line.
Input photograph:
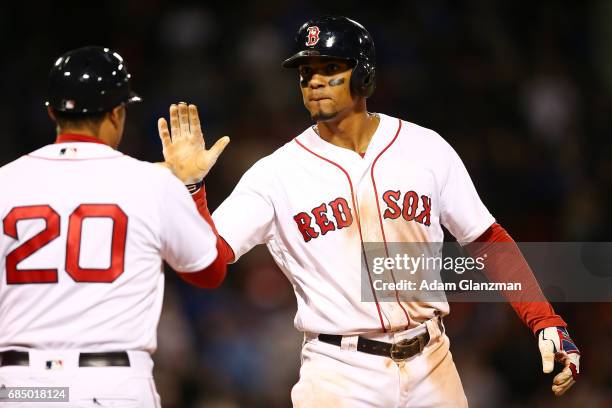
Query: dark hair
[79,120]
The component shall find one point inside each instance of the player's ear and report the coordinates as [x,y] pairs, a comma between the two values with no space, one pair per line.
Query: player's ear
[116,116]
[51,113]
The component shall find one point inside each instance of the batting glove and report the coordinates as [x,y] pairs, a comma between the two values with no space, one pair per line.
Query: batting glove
[556,345]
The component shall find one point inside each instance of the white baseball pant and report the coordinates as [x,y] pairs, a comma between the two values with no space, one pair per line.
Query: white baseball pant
[340,377]
[89,387]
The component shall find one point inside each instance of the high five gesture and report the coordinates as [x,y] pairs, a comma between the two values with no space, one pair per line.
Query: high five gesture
[183,144]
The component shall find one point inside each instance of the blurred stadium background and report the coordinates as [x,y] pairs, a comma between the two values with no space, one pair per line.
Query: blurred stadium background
[522,90]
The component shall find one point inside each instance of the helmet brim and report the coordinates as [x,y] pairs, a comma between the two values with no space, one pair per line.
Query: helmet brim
[295,60]
[133,98]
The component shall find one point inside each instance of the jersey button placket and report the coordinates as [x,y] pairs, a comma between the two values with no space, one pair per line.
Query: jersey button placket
[370,230]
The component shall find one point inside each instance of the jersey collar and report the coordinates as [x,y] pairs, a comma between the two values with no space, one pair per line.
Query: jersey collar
[73,137]
[384,135]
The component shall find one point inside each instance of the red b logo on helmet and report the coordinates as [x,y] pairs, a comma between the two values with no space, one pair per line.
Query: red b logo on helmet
[313,36]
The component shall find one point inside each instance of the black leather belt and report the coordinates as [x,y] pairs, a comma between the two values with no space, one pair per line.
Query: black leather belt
[14,358]
[105,359]
[399,351]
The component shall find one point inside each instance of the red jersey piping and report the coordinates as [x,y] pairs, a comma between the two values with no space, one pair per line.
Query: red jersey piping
[382,324]
[73,137]
[380,220]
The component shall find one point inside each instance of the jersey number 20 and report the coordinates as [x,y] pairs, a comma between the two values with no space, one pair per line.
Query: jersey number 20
[73,244]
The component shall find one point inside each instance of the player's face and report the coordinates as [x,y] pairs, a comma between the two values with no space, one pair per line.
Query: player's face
[326,88]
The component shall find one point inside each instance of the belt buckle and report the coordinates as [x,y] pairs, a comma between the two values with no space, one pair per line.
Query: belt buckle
[404,349]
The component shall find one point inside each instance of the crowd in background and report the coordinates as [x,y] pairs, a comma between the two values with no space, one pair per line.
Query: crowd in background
[522,90]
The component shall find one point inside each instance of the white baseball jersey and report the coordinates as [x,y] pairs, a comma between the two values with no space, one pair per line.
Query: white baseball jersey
[313,204]
[83,234]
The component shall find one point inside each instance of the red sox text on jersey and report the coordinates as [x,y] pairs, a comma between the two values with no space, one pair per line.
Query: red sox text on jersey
[337,214]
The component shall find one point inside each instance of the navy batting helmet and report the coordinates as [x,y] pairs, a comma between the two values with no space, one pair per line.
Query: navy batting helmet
[338,37]
[89,80]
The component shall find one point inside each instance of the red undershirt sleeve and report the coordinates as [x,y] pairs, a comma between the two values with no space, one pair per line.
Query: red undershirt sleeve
[505,263]
[213,275]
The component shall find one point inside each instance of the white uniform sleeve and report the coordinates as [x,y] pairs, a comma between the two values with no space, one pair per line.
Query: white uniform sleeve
[246,217]
[188,243]
[462,211]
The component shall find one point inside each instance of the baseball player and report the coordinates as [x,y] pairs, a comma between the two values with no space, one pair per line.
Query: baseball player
[356,177]
[84,231]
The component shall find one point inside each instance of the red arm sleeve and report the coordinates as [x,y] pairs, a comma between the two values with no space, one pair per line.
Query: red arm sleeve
[213,275]
[505,263]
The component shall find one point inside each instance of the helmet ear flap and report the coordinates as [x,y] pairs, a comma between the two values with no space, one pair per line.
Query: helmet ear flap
[369,83]
[363,80]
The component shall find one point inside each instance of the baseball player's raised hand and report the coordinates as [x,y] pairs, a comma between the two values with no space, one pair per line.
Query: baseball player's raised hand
[183,145]
[556,345]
